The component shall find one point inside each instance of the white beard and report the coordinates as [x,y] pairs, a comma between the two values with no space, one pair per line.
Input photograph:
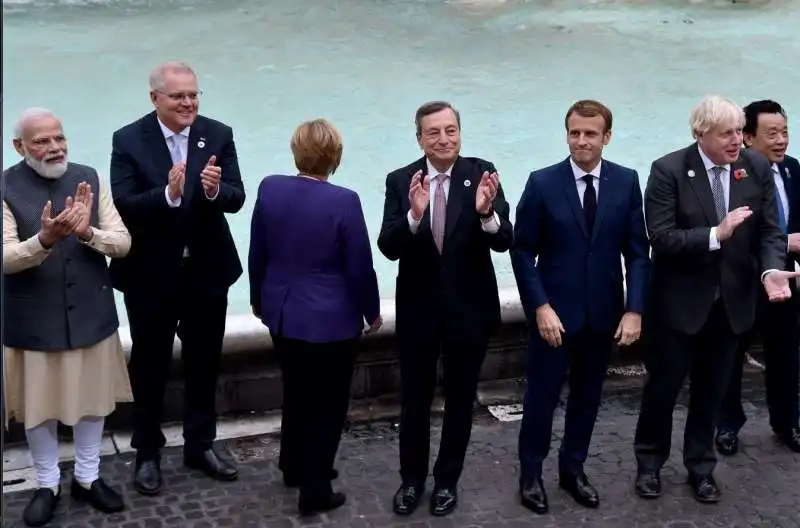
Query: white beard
[51,171]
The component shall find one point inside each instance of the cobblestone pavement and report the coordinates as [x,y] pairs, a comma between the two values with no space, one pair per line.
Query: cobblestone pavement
[759,484]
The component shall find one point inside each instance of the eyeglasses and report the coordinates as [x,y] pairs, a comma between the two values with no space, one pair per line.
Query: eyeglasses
[178,97]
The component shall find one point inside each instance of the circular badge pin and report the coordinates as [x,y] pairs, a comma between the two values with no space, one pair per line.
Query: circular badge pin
[467,183]
[201,144]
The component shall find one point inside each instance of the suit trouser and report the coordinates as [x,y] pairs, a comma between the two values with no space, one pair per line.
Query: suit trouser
[585,355]
[316,396]
[708,358]
[154,316]
[780,336]
[461,364]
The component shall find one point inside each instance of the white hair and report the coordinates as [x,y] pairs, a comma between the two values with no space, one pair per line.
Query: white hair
[713,111]
[157,82]
[30,114]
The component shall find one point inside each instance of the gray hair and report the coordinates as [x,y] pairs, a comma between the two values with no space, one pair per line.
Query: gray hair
[713,111]
[156,79]
[30,114]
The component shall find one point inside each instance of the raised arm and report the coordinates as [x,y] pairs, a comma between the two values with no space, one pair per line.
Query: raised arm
[111,237]
[19,255]
[395,234]
[230,197]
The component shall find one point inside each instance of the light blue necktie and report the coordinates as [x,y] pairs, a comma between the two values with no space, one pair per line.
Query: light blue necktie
[781,213]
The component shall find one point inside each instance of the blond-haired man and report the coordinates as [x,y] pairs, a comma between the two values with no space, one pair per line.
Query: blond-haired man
[60,320]
[713,225]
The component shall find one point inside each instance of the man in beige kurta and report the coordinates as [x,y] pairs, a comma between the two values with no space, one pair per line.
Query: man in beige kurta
[63,357]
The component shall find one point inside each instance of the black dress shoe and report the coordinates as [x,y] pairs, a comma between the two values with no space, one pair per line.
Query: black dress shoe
[40,509]
[210,463]
[727,443]
[407,498]
[791,438]
[533,496]
[648,485]
[293,481]
[578,486]
[443,501]
[99,496]
[147,479]
[312,506]
[705,489]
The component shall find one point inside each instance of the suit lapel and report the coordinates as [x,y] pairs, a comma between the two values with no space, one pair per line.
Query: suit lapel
[571,189]
[604,189]
[455,197]
[783,168]
[738,186]
[699,183]
[196,158]
[154,138]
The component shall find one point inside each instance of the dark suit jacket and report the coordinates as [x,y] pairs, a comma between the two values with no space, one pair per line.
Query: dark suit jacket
[311,274]
[679,210]
[580,273]
[140,164]
[452,295]
[790,172]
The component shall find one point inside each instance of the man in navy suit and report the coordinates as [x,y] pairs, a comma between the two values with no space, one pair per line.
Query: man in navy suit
[575,222]
[766,131]
[174,176]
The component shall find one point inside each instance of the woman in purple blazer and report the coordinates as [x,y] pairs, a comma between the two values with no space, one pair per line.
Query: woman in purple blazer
[313,285]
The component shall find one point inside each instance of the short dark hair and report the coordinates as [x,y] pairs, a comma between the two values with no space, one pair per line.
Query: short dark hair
[590,108]
[755,109]
[431,108]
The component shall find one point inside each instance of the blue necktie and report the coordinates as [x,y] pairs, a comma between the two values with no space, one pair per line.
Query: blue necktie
[781,212]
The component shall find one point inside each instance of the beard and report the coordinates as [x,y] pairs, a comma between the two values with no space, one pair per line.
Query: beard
[45,169]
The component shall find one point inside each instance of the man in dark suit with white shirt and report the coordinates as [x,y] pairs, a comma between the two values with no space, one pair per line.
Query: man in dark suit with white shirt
[174,176]
[443,216]
[766,131]
[713,223]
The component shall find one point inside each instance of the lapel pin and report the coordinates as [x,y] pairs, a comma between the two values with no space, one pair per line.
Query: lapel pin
[690,173]
[467,183]
[788,174]
[201,143]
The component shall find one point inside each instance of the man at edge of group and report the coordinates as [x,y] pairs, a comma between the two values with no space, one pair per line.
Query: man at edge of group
[575,221]
[174,176]
[442,216]
[713,224]
[62,356]
[766,131]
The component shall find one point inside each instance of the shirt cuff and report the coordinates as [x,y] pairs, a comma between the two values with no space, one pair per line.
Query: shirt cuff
[413,225]
[491,225]
[175,203]
[713,241]
[764,275]
[212,198]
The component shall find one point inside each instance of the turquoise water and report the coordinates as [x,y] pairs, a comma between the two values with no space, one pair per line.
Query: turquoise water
[511,67]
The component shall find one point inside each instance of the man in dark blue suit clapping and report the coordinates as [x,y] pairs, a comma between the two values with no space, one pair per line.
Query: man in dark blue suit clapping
[575,221]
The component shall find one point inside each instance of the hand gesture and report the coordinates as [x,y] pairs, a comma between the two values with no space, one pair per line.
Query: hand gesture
[486,193]
[776,284]
[177,177]
[210,177]
[629,329]
[550,327]
[55,229]
[419,194]
[794,242]
[375,326]
[82,206]
[731,221]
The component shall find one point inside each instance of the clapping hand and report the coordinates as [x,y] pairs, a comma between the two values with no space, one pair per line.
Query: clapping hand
[177,177]
[419,194]
[210,177]
[486,193]
[55,229]
[82,207]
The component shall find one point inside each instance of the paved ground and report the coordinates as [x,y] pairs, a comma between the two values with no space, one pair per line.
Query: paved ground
[760,484]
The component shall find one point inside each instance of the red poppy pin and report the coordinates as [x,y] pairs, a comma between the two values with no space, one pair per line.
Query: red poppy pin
[739,174]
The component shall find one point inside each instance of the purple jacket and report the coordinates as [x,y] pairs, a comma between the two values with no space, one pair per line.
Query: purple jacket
[310,263]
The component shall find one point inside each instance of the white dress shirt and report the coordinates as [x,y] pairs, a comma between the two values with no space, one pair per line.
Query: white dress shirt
[725,178]
[490,225]
[580,173]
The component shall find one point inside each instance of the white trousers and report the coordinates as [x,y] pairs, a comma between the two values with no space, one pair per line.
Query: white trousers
[43,444]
